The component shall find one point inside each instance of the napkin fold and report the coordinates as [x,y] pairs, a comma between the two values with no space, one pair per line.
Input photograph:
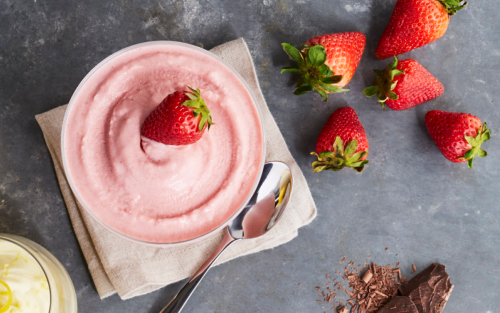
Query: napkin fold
[119,266]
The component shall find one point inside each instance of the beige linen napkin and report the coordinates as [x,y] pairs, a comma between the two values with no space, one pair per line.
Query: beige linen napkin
[117,265]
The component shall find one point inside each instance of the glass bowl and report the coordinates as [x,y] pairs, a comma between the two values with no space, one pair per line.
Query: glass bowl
[65,127]
[61,289]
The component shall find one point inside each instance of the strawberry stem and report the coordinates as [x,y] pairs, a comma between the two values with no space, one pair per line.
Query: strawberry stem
[340,157]
[385,84]
[483,135]
[453,6]
[199,108]
[316,75]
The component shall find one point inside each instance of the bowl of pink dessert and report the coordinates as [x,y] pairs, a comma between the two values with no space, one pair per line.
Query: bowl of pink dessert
[145,191]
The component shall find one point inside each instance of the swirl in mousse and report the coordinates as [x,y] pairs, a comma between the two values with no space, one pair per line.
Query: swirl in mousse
[147,190]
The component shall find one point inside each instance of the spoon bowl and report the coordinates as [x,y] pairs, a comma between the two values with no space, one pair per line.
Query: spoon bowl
[267,204]
[263,211]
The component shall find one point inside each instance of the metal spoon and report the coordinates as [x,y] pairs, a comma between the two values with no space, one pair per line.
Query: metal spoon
[262,212]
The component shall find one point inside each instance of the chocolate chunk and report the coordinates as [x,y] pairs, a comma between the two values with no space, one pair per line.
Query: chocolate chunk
[399,305]
[429,290]
[367,276]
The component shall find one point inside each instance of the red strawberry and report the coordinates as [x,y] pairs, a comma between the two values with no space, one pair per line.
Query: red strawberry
[327,62]
[180,119]
[414,24]
[457,135]
[343,126]
[404,85]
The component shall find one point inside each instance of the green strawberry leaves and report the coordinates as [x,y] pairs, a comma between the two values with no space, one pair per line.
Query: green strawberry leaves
[302,90]
[453,6]
[392,95]
[340,157]
[486,134]
[331,79]
[293,52]
[316,75]
[291,70]
[385,84]
[317,55]
[199,108]
[370,91]
[471,141]
[483,135]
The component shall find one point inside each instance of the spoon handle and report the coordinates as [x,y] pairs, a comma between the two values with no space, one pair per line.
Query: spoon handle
[177,303]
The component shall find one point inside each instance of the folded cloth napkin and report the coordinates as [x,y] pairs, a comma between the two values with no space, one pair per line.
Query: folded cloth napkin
[117,265]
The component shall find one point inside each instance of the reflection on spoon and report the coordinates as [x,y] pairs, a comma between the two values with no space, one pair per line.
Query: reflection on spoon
[256,220]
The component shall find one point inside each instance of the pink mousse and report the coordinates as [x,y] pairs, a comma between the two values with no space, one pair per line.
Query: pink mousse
[147,190]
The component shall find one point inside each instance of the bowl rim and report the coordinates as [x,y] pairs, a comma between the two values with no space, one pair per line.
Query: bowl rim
[71,104]
[21,245]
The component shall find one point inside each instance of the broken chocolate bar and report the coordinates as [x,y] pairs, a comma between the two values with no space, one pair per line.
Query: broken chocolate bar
[429,290]
[399,304]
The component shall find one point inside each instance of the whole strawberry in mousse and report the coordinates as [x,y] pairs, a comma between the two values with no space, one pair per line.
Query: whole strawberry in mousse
[180,119]
[341,143]
[326,63]
[404,84]
[414,24]
[457,135]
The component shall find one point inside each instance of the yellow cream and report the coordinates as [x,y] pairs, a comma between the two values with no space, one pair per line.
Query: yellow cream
[22,278]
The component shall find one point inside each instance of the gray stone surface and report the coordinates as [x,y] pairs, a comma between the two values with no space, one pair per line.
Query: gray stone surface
[409,199]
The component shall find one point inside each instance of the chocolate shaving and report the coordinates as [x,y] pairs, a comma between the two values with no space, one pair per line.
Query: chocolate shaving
[342,309]
[414,268]
[370,288]
[383,295]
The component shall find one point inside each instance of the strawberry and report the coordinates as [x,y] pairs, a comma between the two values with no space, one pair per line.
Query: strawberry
[180,119]
[414,24]
[326,63]
[457,135]
[342,142]
[404,85]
